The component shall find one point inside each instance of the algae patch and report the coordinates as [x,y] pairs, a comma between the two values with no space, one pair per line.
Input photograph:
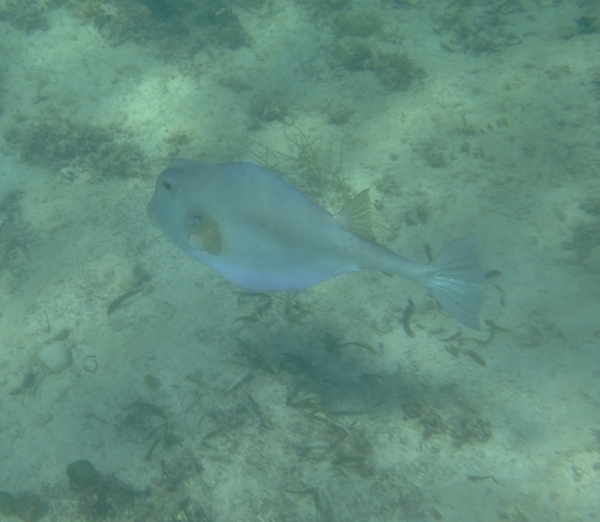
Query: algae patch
[60,143]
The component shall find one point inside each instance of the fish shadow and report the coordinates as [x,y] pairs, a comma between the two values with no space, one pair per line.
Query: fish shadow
[325,376]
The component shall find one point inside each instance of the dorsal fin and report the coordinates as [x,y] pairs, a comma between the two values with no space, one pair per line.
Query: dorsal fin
[356,216]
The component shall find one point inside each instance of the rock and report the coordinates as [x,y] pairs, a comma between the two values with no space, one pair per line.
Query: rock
[82,475]
[56,357]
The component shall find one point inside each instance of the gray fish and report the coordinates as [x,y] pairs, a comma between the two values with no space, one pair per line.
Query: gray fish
[262,234]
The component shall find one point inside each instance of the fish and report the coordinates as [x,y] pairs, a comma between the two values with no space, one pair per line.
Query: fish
[263,235]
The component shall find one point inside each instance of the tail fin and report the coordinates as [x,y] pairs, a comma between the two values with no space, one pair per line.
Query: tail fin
[457,280]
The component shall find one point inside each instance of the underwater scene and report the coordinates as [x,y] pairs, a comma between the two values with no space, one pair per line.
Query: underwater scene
[280,143]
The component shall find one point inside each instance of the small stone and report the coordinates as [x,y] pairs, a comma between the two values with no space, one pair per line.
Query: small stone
[56,357]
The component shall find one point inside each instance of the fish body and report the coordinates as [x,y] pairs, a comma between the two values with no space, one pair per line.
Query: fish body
[262,234]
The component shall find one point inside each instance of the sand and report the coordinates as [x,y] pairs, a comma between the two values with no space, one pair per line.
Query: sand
[463,117]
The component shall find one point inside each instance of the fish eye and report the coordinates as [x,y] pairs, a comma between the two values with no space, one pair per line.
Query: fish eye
[167,184]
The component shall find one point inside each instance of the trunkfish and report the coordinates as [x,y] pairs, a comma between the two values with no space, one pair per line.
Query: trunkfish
[263,235]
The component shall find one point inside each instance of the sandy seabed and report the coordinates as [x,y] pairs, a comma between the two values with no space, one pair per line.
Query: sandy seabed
[195,402]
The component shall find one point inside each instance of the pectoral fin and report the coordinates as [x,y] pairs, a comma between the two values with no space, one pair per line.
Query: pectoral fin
[204,234]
